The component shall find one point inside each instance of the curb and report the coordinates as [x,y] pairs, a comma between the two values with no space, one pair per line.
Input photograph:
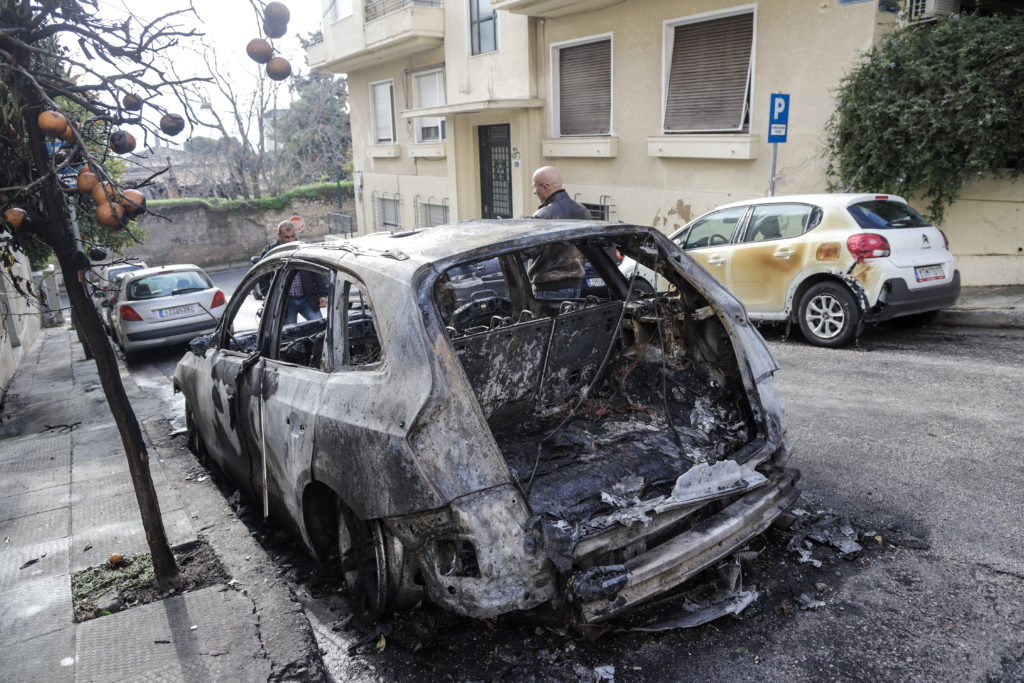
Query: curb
[992,318]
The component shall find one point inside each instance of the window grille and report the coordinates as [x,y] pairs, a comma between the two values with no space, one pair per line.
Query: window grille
[387,212]
[430,213]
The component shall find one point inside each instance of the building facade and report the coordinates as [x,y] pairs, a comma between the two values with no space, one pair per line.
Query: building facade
[655,111]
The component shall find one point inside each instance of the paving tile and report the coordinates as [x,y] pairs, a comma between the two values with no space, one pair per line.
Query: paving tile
[210,634]
[51,559]
[28,530]
[35,608]
[49,657]
[33,481]
[34,502]
[17,448]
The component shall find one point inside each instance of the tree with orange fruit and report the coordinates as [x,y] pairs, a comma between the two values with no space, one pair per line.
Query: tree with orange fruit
[59,136]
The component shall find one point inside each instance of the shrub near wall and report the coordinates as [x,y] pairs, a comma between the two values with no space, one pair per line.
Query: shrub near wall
[214,233]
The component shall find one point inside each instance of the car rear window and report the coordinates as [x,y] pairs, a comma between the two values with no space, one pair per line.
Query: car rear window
[168,284]
[880,214]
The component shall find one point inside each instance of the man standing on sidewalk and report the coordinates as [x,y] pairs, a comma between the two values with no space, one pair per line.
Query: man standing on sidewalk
[556,269]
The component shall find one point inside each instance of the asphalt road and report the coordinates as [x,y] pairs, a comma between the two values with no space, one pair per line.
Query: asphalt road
[912,437]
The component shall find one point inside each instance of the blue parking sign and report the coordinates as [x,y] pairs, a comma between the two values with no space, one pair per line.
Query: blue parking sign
[778,120]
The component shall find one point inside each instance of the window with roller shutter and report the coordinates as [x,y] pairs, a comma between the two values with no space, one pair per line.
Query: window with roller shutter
[709,75]
[583,85]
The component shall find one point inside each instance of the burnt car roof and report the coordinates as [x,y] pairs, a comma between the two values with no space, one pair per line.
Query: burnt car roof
[408,251]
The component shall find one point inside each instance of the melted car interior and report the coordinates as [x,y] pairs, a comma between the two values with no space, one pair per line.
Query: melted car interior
[606,397]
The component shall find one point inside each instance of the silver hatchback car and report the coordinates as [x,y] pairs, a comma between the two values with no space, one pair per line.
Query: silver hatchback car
[164,306]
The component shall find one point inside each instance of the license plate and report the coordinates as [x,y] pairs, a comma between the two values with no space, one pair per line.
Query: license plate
[925,273]
[595,282]
[176,310]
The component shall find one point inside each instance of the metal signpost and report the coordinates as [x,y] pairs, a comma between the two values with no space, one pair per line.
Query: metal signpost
[778,127]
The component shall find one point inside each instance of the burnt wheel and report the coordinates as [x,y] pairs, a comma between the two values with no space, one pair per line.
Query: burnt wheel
[362,550]
[828,314]
[193,439]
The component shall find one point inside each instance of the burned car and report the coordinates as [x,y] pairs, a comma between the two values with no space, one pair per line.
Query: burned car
[506,453]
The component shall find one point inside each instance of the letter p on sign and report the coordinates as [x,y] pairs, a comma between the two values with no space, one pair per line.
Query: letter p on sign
[778,125]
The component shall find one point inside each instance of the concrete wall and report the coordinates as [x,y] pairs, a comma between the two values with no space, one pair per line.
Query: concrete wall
[20,324]
[196,233]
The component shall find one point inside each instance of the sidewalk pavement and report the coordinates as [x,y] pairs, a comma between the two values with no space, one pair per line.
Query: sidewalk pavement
[67,503]
[1001,306]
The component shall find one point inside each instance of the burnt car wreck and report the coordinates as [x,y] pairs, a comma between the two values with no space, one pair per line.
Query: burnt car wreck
[497,451]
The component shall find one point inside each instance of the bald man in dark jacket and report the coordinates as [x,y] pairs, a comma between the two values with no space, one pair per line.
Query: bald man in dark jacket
[556,269]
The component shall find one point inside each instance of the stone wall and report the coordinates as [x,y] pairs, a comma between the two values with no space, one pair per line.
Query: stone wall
[206,236]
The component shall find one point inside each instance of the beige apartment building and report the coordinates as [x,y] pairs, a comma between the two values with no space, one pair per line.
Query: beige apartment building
[655,111]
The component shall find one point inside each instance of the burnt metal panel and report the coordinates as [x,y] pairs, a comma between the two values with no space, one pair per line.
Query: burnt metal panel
[579,343]
[504,366]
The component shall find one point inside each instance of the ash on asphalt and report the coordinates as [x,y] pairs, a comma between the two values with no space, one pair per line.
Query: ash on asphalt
[427,642]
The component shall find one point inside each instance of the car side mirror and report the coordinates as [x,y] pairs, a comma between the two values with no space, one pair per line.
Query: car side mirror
[254,260]
[107,303]
[200,345]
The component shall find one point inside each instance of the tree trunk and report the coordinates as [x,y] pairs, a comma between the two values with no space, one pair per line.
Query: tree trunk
[55,232]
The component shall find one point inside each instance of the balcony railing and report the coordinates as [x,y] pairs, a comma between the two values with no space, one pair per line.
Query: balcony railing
[375,9]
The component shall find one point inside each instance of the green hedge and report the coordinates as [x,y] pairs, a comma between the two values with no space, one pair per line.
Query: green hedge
[326,191]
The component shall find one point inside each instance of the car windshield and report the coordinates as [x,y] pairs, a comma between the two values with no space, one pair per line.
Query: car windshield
[168,283]
[880,214]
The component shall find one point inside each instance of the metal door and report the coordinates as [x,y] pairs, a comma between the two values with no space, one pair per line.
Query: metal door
[495,171]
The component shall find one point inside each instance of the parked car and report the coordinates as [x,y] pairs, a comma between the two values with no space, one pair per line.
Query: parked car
[163,306]
[829,262]
[102,278]
[498,453]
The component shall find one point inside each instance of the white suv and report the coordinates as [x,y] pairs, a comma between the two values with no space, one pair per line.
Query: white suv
[830,262]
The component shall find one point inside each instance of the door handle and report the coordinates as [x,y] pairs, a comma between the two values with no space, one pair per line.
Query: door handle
[716,260]
[784,253]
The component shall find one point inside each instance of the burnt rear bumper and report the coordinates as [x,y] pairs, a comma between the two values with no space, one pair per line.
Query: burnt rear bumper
[673,562]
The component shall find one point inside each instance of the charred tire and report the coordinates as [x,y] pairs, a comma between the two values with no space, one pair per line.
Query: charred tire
[828,314]
[193,439]
[362,552]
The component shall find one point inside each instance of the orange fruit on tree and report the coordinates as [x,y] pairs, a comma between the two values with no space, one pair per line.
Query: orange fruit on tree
[104,193]
[111,215]
[52,122]
[86,179]
[259,50]
[122,142]
[276,12]
[131,102]
[172,124]
[134,202]
[279,69]
[15,216]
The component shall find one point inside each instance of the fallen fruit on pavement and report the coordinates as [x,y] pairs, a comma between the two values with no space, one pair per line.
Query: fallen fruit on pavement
[115,559]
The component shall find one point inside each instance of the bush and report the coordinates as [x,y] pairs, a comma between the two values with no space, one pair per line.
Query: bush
[936,105]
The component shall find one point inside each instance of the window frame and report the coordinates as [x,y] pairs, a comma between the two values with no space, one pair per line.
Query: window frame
[812,220]
[377,139]
[556,86]
[472,30]
[378,211]
[423,207]
[668,44]
[417,104]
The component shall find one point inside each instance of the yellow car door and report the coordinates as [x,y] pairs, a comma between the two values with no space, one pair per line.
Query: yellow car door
[709,240]
[770,253]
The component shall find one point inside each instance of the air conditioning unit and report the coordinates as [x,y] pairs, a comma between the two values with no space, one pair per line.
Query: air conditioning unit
[921,10]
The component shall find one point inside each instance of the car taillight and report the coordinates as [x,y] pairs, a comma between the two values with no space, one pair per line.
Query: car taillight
[945,239]
[218,299]
[618,256]
[128,313]
[867,245]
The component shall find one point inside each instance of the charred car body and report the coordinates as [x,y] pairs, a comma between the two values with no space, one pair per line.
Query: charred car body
[506,453]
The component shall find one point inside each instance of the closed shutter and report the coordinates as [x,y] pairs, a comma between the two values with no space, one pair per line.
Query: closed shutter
[709,83]
[585,89]
[383,127]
